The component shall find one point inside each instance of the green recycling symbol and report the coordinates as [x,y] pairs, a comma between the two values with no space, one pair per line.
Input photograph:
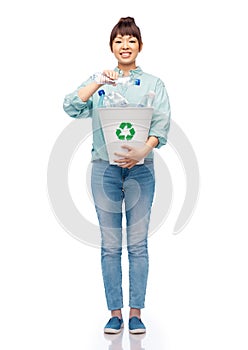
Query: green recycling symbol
[125,131]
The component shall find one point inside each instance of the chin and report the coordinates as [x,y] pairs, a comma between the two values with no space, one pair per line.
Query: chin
[126,62]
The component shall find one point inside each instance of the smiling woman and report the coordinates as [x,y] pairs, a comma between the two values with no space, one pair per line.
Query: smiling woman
[126,180]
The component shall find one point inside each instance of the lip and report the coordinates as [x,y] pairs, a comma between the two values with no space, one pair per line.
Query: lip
[125,54]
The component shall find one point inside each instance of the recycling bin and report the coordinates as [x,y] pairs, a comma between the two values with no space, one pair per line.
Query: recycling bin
[124,126]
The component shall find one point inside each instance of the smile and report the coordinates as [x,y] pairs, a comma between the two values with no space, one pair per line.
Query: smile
[125,54]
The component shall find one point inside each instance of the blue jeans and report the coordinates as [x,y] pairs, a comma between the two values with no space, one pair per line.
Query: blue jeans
[113,187]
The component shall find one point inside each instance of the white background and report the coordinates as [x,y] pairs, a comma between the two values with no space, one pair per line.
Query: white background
[51,291]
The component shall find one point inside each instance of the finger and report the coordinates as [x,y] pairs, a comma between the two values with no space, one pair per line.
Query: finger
[121,160]
[132,164]
[105,72]
[110,74]
[122,165]
[129,148]
[123,155]
[129,164]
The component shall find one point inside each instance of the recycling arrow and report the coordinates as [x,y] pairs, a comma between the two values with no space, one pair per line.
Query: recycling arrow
[125,131]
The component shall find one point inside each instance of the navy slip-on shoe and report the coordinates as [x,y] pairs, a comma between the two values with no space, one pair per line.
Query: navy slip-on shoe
[114,325]
[136,326]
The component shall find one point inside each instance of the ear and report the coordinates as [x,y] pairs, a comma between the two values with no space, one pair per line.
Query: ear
[140,47]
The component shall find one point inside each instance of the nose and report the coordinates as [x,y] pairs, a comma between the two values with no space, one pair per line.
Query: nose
[125,44]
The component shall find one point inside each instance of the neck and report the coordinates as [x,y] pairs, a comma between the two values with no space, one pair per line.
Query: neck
[126,68]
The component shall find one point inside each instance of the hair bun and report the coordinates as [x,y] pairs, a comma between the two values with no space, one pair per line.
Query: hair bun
[127,20]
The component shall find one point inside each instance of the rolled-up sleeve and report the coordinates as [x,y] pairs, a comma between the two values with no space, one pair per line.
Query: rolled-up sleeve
[160,123]
[75,107]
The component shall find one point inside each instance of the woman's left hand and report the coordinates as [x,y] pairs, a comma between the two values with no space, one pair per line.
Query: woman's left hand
[133,156]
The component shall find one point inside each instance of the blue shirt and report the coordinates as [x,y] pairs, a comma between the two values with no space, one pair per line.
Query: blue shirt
[160,122]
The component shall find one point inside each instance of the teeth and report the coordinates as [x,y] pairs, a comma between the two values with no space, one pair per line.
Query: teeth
[125,54]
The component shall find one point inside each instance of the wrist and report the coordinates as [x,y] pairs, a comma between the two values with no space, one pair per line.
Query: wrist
[152,141]
[147,149]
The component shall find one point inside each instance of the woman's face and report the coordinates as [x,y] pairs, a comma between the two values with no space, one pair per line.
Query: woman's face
[126,49]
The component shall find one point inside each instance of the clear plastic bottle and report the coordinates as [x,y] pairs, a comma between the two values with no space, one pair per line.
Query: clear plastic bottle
[113,99]
[104,100]
[101,94]
[117,100]
[100,78]
[147,100]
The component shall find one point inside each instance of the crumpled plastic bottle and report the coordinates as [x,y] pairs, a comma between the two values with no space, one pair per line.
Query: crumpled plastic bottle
[100,78]
[113,99]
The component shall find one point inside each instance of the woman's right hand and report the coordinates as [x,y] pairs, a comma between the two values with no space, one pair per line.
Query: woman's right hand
[111,74]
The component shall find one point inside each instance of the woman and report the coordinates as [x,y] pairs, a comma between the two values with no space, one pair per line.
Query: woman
[126,181]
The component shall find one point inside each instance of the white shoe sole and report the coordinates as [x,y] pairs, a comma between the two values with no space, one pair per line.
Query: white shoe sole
[137,331]
[112,330]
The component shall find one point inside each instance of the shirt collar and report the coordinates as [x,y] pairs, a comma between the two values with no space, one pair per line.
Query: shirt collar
[133,72]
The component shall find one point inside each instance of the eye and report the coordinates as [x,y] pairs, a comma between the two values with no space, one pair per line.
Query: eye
[117,41]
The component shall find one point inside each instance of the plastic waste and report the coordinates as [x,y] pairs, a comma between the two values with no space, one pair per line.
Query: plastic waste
[104,100]
[101,94]
[117,100]
[113,99]
[100,78]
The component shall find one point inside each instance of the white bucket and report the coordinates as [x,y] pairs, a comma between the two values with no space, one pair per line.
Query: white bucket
[124,126]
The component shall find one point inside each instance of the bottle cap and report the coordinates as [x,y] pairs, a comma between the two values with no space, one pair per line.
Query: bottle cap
[137,82]
[101,92]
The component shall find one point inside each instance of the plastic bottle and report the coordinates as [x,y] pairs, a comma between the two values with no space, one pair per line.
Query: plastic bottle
[117,100]
[113,99]
[101,94]
[104,100]
[100,78]
[147,100]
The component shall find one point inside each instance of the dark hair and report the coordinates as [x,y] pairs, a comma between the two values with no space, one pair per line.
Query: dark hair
[125,26]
